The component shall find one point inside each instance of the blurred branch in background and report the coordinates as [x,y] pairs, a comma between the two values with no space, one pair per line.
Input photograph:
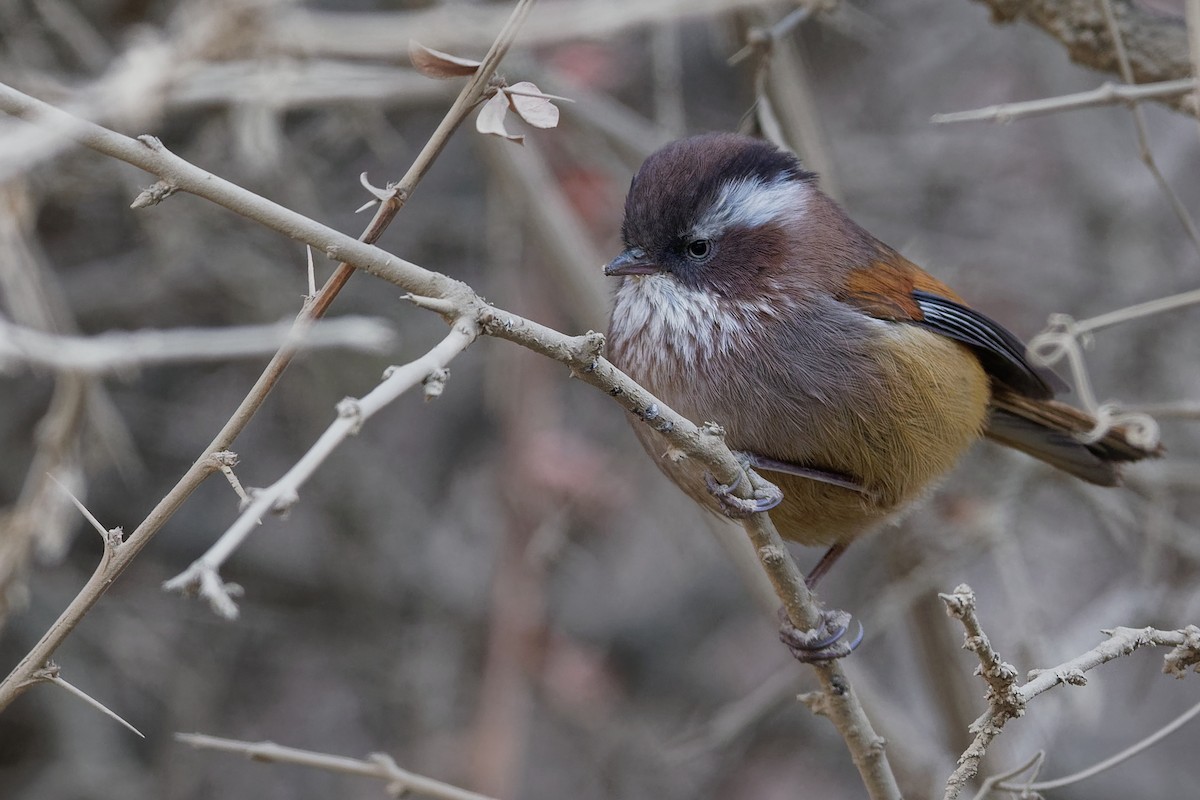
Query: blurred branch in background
[400,782]
[126,352]
[467,29]
[1107,94]
[785,109]
[1156,39]
[1065,337]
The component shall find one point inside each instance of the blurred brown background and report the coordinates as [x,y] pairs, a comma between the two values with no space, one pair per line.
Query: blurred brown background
[497,588]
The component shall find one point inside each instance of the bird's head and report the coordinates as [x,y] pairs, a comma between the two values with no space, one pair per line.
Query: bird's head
[717,212]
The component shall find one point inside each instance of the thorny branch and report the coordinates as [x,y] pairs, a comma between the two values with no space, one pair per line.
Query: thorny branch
[456,301]
[148,153]
[1007,700]
[203,578]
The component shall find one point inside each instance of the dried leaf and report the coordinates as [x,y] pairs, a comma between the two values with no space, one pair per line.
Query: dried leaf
[491,118]
[436,64]
[534,107]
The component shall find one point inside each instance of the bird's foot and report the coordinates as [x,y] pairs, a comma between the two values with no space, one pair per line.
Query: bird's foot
[736,507]
[825,642]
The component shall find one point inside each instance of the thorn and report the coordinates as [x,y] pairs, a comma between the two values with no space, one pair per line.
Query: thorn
[312,274]
[438,304]
[50,674]
[379,194]
[112,538]
[239,490]
[154,194]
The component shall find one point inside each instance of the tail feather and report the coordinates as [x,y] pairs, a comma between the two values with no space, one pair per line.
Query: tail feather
[1052,431]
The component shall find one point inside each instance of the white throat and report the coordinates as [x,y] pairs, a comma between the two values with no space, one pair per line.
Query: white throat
[670,330]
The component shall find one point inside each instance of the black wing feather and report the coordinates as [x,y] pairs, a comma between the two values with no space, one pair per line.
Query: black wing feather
[1001,353]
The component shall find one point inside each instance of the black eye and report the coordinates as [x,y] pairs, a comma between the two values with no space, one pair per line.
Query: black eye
[698,249]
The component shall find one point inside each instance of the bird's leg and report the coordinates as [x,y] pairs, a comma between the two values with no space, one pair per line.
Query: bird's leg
[824,642]
[737,507]
[824,565]
[788,468]
[827,640]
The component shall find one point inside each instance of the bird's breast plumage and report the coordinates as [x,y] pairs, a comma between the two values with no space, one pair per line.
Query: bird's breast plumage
[810,381]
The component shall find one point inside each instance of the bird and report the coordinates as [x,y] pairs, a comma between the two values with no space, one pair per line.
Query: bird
[839,370]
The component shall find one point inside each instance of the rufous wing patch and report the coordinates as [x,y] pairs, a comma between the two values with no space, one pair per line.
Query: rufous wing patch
[884,288]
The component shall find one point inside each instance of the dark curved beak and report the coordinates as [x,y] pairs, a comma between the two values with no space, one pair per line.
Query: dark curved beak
[632,261]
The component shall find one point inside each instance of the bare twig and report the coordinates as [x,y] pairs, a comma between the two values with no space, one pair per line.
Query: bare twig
[1004,698]
[117,351]
[1149,308]
[1182,409]
[400,782]
[1004,783]
[1139,121]
[149,154]
[1157,44]
[52,674]
[110,567]
[1032,766]
[1001,677]
[784,104]
[202,576]
[837,699]
[456,300]
[761,39]
[1007,701]
[1066,337]
[1107,94]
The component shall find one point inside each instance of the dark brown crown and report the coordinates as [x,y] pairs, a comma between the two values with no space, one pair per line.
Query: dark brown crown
[680,182]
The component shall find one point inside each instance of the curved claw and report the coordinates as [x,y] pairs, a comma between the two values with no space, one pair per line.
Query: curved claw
[768,500]
[841,650]
[722,489]
[833,637]
[825,642]
[738,507]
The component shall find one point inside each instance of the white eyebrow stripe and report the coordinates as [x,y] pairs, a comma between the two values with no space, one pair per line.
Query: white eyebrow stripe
[751,203]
